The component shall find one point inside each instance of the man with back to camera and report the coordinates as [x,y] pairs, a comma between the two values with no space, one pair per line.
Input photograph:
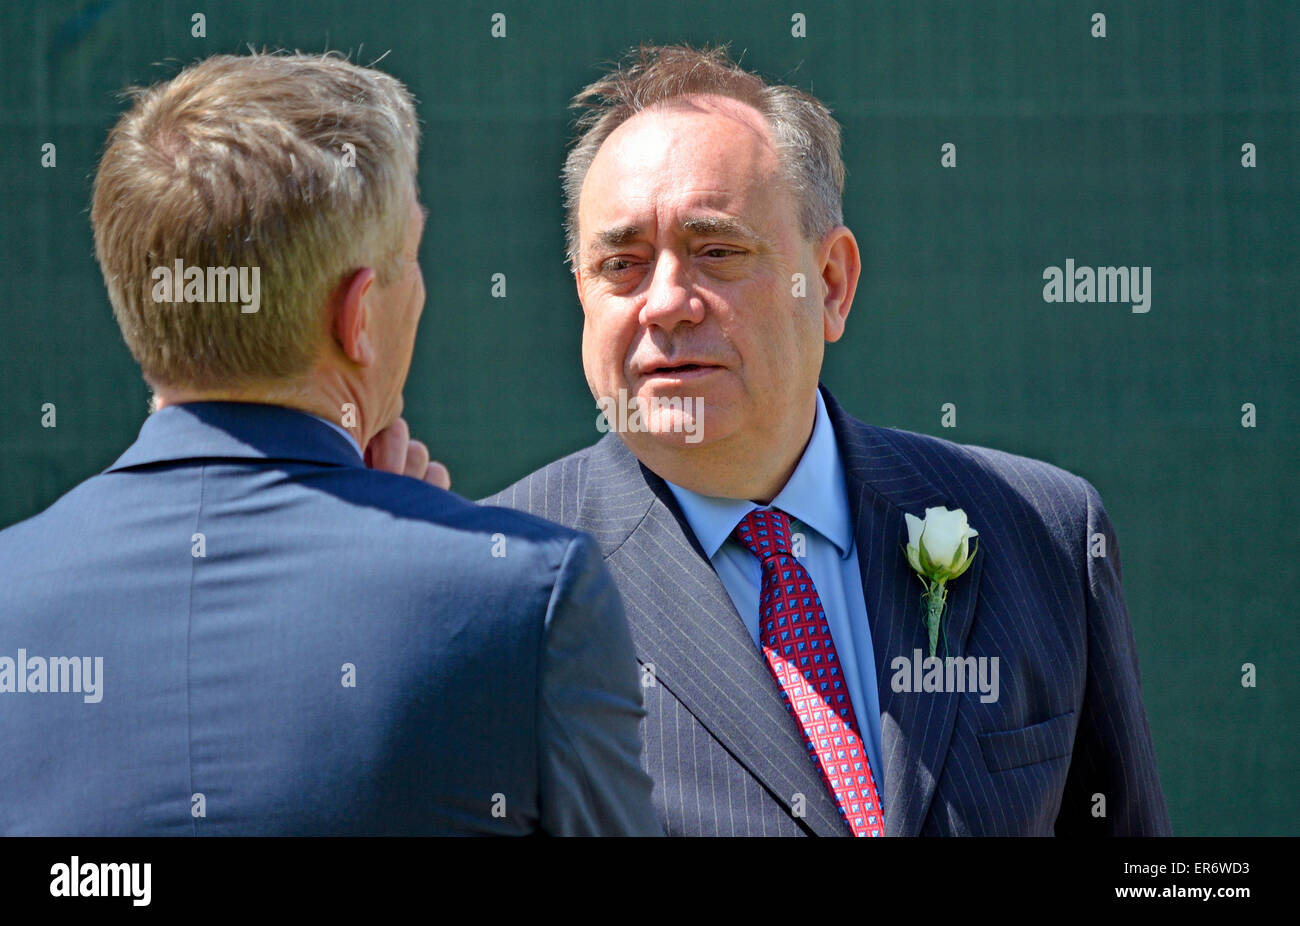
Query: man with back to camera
[767,544]
[237,628]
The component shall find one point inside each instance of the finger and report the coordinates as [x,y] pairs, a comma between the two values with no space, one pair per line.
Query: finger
[379,450]
[438,475]
[417,459]
[387,449]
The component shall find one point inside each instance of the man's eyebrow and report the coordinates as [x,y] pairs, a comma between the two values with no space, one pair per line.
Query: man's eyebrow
[617,236]
[724,226]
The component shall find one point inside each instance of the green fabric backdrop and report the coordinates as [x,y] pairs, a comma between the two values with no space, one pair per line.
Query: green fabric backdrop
[1122,150]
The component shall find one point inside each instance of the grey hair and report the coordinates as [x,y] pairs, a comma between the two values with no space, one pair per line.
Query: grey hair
[807,137]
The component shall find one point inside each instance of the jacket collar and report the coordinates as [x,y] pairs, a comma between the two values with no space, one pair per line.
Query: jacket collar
[236,431]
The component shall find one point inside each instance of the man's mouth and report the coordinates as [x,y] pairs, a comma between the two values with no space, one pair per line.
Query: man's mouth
[680,369]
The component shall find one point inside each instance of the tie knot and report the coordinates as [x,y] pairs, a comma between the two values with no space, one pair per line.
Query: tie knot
[765,533]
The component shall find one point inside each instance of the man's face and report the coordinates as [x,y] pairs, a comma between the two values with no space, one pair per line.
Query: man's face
[689,242]
[397,315]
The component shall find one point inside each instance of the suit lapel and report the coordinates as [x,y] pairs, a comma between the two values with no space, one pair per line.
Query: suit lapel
[684,624]
[916,727]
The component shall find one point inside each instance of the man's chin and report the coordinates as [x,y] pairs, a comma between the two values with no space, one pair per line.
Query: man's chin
[667,437]
[670,421]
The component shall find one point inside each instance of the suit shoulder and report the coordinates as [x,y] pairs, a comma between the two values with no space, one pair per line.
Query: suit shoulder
[375,514]
[1019,498]
[440,510]
[549,492]
[1040,483]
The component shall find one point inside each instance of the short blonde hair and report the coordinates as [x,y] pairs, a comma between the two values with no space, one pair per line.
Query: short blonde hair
[806,134]
[300,165]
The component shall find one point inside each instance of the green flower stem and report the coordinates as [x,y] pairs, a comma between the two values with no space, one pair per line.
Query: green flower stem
[934,598]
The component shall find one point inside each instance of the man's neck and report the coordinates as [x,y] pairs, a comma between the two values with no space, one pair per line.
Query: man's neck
[754,468]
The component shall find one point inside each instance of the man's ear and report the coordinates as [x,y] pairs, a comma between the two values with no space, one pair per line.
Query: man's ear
[840,264]
[351,317]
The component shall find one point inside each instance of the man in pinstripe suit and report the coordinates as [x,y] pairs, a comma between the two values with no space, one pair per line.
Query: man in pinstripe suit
[712,265]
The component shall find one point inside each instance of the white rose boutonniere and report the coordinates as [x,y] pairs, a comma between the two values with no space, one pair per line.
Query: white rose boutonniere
[939,549]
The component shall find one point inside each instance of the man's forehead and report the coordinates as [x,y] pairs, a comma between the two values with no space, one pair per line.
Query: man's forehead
[701,156]
[709,105]
[684,118]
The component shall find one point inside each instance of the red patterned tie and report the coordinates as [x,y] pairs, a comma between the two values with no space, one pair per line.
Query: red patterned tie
[796,640]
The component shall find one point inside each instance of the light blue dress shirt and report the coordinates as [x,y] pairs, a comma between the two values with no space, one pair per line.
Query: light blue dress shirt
[352,440]
[817,502]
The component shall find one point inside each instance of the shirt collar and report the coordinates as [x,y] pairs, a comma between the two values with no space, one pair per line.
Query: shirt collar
[814,495]
[346,433]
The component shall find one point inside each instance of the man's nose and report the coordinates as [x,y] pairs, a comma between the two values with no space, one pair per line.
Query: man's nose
[671,298]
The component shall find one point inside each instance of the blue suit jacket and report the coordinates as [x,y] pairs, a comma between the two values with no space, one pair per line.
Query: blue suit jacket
[353,652]
[726,756]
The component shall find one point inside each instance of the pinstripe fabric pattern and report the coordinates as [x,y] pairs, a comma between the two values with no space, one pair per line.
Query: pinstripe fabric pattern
[726,758]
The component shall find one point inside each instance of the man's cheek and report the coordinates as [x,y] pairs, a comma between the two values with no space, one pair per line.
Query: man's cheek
[595,364]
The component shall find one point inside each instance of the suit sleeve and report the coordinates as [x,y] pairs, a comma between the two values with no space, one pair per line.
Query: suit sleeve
[1114,755]
[591,780]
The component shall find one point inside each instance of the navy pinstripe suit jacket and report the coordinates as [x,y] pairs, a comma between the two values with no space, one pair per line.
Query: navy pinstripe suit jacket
[727,758]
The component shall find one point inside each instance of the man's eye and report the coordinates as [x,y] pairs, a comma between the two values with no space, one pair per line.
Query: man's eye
[614,265]
[720,252]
